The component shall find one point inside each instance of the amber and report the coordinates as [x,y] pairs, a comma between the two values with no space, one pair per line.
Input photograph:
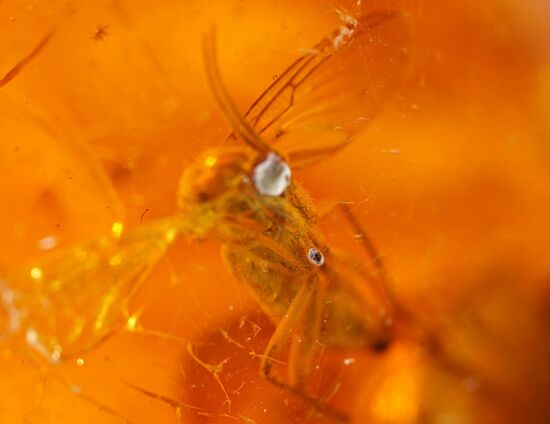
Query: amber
[450,179]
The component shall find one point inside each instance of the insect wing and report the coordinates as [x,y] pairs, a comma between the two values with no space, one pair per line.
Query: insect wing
[76,297]
[316,106]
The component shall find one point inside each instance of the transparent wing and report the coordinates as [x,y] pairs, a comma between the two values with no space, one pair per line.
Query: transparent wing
[75,298]
[318,103]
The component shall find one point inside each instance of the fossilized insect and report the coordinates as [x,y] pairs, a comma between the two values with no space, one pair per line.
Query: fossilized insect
[242,193]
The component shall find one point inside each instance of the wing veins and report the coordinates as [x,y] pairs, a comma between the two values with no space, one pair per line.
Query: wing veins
[294,86]
[302,69]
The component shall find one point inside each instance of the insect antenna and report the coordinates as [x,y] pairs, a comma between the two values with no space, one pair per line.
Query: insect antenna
[223,99]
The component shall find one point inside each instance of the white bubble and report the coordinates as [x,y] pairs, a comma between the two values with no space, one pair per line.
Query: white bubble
[272,176]
[48,242]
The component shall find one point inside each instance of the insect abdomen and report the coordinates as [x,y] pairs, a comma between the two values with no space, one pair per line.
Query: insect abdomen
[272,282]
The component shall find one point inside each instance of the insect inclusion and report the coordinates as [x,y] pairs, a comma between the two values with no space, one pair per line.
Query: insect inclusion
[244,195]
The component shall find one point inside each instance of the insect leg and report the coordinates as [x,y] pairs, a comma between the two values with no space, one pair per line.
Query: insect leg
[380,274]
[375,295]
[285,329]
[292,319]
[366,242]
[304,343]
[409,325]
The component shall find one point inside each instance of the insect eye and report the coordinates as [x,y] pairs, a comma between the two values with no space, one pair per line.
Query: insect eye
[315,257]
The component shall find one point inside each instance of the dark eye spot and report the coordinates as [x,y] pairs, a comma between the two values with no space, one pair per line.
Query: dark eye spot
[315,257]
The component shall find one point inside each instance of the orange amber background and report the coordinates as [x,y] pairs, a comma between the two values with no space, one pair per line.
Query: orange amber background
[452,182]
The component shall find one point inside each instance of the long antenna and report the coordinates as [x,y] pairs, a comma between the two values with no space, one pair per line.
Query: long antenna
[223,99]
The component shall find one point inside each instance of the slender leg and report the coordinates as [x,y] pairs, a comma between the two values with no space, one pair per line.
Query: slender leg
[366,242]
[411,329]
[369,309]
[285,329]
[377,262]
[304,345]
[290,322]
[368,283]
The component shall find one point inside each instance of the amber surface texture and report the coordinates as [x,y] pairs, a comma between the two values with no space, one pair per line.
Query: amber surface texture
[104,105]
